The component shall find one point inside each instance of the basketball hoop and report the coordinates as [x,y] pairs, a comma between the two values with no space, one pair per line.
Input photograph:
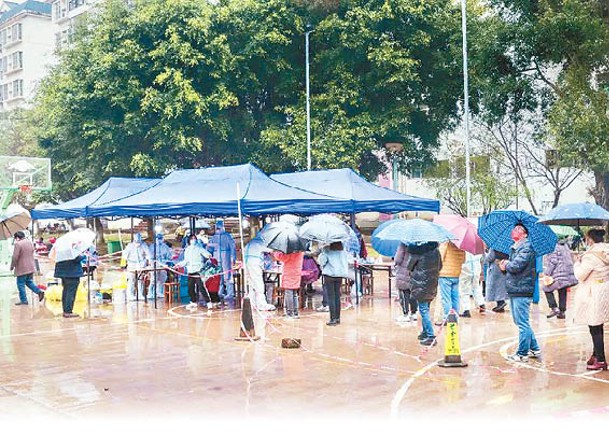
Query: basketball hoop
[25,188]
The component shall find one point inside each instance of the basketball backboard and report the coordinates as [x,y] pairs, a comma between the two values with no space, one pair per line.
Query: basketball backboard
[18,171]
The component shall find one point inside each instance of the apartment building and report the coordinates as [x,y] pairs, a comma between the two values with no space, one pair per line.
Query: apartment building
[65,16]
[26,50]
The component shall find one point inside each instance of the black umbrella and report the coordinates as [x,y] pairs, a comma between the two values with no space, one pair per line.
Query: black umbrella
[284,237]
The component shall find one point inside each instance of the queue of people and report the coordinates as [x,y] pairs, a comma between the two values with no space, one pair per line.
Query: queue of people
[420,272]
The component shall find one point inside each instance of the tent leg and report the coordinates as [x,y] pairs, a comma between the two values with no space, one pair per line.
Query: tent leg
[154,259]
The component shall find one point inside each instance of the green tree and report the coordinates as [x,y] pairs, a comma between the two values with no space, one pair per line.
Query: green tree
[163,84]
[548,57]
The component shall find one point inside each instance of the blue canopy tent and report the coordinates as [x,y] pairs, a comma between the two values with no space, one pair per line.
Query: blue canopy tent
[362,195]
[114,188]
[213,192]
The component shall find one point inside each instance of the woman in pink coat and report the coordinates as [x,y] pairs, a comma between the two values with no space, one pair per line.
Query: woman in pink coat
[290,280]
[592,294]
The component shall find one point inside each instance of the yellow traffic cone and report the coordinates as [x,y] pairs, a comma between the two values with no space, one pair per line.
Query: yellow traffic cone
[452,350]
[246,330]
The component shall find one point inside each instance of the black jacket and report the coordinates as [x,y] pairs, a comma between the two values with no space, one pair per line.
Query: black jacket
[521,276]
[424,265]
[69,268]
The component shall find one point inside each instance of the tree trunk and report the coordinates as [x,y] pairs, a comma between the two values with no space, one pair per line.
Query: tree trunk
[600,192]
[99,232]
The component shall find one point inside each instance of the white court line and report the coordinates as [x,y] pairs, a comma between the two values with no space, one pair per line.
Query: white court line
[503,352]
[55,331]
[399,395]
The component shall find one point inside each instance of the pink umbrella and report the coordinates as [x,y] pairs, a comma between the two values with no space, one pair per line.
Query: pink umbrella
[465,230]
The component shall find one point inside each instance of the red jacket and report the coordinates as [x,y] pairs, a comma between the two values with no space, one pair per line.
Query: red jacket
[292,269]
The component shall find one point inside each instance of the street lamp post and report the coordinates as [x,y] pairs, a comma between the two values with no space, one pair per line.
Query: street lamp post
[308,99]
[466,107]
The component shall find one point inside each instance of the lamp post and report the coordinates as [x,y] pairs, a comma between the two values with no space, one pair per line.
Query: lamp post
[308,97]
[466,107]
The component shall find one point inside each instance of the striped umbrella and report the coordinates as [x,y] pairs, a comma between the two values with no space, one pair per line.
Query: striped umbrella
[495,229]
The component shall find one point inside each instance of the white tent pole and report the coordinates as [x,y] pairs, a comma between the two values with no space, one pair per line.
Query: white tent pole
[244,278]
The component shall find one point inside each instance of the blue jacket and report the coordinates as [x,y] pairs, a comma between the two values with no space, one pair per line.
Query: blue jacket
[520,268]
[69,268]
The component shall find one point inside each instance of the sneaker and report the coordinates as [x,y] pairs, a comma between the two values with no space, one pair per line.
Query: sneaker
[209,306]
[322,309]
[466,313]
[413,317]
[422,336]
[517,358]
[598,365]
[70,315]
[403,319]
[20,303]
[439,323]
[591,360]
[429,341]
[534,353]
[482,308]
[553,313]
[500,308]
[561,315]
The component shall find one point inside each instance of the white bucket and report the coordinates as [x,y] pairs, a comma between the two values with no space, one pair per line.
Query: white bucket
[119,296]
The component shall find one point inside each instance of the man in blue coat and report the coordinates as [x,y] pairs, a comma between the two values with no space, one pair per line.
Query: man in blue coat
[520,285]
[222,247]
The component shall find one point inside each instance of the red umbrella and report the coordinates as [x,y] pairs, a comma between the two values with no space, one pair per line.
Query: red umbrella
[465,230]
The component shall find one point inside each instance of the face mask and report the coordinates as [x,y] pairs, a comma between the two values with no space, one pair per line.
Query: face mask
[518,234]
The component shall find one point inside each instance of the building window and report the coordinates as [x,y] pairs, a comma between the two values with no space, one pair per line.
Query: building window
[17,88]
[73,4]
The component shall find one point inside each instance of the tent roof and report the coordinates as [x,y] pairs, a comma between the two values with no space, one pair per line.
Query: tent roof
[363,195]
[114,188]
[213,192]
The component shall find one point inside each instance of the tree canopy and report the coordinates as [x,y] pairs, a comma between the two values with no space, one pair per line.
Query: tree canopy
[160,84]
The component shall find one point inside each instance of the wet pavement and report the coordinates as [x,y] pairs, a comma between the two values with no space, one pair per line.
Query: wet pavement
[136,360]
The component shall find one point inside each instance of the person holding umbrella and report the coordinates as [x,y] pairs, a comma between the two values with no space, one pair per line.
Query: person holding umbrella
[254,262]
[283,238]
[334,264]
[424,264]
[24,266]
[520,284]
[68,256]
[70,272]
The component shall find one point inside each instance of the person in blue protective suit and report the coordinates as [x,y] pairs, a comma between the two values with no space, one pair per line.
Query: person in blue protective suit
[223,249]
[163,256]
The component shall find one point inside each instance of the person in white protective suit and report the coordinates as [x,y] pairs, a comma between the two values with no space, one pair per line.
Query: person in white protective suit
[469,282]
[163,256]
[222,247]
[254,264]
[136,257]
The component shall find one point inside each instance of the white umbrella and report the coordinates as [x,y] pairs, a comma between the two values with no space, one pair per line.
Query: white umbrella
[15,219]
[71,245]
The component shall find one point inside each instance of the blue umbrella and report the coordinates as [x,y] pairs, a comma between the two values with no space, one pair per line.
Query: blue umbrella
[576,214]
[387,238]
[495,229]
